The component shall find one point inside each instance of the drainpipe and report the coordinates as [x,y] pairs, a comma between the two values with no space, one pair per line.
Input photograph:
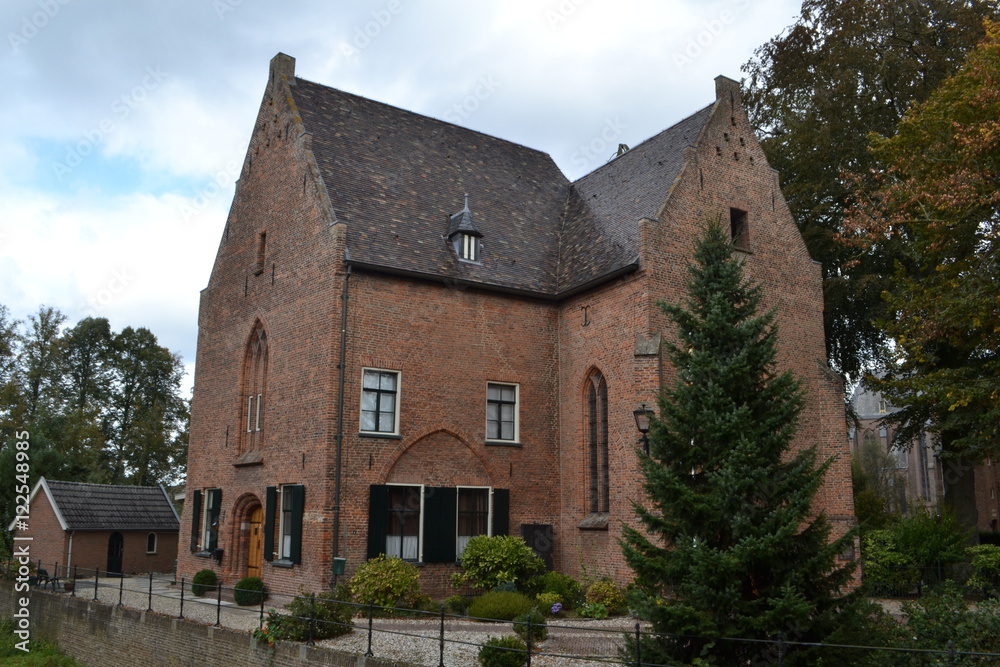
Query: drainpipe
[69,553]
[340,426]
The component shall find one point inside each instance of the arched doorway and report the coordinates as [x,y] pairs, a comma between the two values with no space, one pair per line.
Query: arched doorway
[255,541]
[116,548]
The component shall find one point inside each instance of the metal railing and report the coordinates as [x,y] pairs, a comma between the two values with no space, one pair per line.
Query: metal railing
[577,643]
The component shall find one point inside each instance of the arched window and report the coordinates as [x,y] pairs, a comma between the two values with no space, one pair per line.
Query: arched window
[597,443]
[254,394]
[151,543]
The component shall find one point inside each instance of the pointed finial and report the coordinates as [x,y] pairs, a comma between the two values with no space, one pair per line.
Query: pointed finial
[466,201]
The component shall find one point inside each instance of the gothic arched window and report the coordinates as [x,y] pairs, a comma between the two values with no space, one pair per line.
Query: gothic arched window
[597,443]
[254,395]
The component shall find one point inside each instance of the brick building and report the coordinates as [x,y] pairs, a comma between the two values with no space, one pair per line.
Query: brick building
[127,529]
[415,333]
[918,474]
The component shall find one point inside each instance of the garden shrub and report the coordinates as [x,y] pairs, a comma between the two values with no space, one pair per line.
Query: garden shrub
[332,616]
[507,587]
[249,591]
[204,581]
[563,585]
[387,582]
[606,592]
[539,630]
[941,617]
[547,602]
[986,568]
[887,570]
[458,604]
[488,562]
[930,539]
[594,610]
[499,606]
[507,651]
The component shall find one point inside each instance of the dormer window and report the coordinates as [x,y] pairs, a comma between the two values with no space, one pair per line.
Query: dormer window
[464,235]
[470,248]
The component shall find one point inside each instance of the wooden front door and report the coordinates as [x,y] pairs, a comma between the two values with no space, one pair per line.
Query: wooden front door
[256,547]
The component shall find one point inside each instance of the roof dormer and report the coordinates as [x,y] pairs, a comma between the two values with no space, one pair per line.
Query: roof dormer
[464,236]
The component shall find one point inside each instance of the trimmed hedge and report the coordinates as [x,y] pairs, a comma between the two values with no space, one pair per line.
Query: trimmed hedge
[249,591]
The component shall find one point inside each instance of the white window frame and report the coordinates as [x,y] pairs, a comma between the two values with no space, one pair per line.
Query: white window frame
[156,543]
[468,247]
[284,540]
[206,519]
[517,412]
[489,513]
[399,388]
[257,414]
[250,413]
[420,525]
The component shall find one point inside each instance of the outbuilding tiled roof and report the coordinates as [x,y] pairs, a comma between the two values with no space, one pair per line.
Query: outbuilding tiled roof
[106,507]
[396,179]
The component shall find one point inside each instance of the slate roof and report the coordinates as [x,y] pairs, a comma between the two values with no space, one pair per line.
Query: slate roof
[106,507]
[866,402]
[396,178]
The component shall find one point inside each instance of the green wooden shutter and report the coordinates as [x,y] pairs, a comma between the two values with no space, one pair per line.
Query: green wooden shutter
[440,524]
[195,519]
[215,500]
[378,518]
[298,507]
[501,512]
[270,506]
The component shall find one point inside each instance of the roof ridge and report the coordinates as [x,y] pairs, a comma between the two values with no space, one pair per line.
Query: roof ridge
[647,140]
[433,118]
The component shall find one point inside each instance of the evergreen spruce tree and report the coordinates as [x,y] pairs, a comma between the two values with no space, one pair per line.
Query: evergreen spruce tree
[731,547]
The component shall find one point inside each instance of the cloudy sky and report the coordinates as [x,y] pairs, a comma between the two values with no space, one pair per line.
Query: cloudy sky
[125,121]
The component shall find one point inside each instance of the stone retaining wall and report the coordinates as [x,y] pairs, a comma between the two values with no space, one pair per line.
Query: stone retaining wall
[98,634]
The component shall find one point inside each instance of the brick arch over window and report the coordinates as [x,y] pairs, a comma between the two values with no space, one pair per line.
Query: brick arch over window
[254,392]
[596,443]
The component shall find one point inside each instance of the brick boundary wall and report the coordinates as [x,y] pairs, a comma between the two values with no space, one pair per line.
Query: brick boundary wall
[100,634]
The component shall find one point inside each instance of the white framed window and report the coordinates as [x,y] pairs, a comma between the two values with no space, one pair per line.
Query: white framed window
[405,527]
[379,401]
[151,543]
[210,519]
[502,412]
[475,511]
[469,248]
[285,532]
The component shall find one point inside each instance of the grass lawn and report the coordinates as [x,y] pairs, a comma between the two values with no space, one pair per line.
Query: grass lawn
[41,653]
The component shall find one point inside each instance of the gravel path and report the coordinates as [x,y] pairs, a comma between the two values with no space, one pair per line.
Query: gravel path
[412,640]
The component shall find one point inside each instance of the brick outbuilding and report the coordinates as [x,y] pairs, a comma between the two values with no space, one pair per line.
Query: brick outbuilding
[415,333]
[117,529]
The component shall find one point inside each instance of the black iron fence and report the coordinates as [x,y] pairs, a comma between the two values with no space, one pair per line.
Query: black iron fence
[576,642]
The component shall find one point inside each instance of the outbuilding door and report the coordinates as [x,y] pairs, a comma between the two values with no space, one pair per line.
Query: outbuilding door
[255,551]
[116,547]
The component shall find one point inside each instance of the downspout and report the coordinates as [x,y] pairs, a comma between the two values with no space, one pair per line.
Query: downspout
[340,426]
[69,553]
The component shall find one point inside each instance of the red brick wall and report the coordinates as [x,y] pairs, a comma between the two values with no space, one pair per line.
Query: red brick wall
[447,343]
[48,542]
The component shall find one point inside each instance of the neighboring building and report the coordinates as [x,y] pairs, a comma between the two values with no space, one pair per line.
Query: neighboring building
[918,474]
[915,476]
[473,328]
[127,529]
